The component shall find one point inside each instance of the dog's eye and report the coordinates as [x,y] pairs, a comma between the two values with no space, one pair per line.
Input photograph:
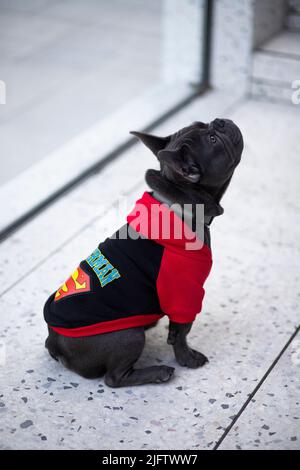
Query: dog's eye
[213,139]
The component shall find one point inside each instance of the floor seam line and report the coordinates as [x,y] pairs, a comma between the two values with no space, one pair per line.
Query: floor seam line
[256,389]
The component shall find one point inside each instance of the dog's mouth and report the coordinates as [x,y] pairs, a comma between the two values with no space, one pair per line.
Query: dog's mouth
[179,175]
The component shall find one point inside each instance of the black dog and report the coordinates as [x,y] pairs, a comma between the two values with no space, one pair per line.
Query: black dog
[96,320]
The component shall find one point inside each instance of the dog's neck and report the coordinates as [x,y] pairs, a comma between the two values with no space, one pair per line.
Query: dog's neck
[188,214]
[171,194]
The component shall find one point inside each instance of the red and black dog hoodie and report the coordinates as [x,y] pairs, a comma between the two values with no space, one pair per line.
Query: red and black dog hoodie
[131,281]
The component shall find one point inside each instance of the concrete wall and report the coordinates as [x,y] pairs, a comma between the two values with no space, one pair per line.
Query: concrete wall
[182,40]
[238,27]
[269,17]
[232,37]
[294,5]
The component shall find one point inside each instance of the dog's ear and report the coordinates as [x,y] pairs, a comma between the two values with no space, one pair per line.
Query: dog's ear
[154,143]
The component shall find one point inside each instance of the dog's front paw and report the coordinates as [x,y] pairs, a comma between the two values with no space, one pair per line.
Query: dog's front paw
[188,357]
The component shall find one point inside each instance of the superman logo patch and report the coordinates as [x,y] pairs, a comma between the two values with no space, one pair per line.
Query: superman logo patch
[77,283]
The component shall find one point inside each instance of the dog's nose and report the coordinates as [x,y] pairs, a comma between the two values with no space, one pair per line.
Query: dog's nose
[227,126]
[219,123]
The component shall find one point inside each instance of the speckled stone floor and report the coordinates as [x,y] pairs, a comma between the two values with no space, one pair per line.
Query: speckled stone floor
[251,311]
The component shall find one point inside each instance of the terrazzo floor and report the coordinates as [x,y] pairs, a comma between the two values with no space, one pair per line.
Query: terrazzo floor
[250,313]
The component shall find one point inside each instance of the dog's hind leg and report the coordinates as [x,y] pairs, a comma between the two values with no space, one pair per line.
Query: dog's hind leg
[81,355]
[120,370]
[51,344]
[112,353]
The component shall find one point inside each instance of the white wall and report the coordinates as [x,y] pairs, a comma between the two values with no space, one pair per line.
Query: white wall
[294,5]
[269,17]
[232,38]
[182,40]
[238,27]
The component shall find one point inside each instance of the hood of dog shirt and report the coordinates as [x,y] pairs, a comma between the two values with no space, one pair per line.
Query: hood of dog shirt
[133,281]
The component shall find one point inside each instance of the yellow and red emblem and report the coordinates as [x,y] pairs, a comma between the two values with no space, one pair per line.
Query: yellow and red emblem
[78,282]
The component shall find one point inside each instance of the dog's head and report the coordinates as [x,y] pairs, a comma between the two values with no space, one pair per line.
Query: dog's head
[196,163]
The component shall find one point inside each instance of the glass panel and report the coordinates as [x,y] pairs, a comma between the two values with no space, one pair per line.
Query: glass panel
[68,65]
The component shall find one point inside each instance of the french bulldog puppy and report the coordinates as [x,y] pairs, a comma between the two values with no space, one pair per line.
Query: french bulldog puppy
[97,319]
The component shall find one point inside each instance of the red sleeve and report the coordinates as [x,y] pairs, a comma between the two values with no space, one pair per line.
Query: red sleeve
[180,284]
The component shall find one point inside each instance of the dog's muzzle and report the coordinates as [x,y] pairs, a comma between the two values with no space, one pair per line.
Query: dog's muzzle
[227,127]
